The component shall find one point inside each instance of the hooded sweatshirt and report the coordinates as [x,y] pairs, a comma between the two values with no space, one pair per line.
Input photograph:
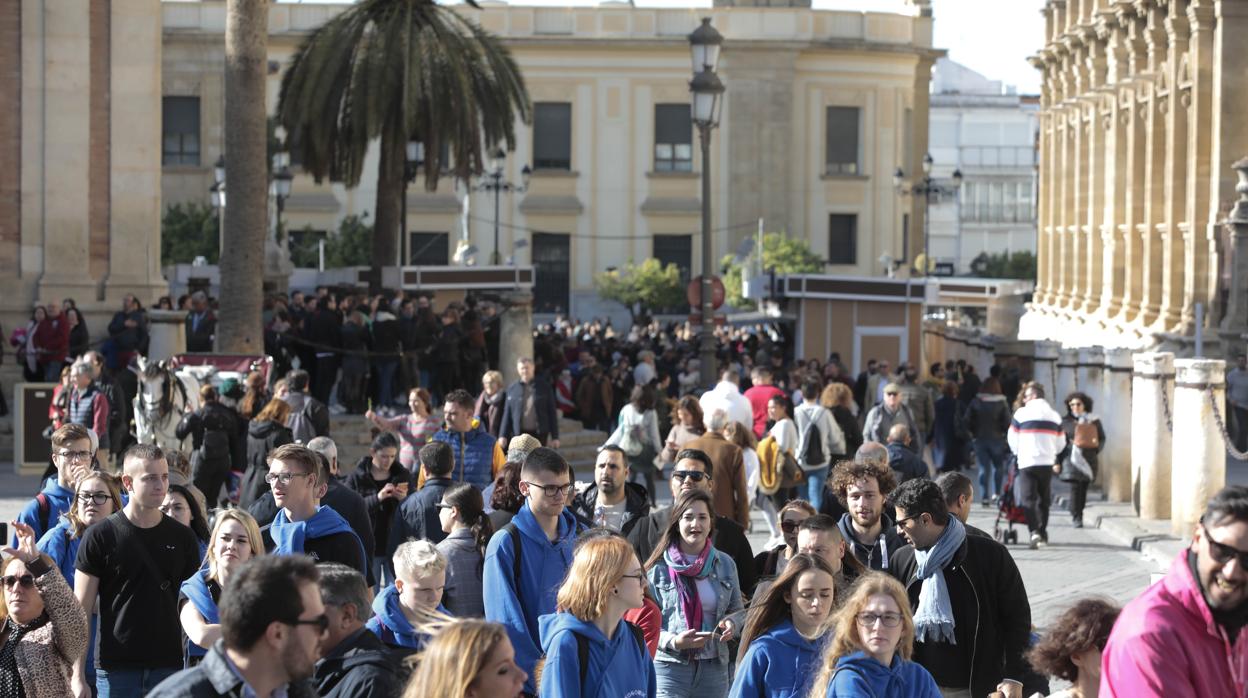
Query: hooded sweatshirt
[615,667]
[518,602]
[392,627]
[863,675]
[59,499]
[872,556]
[778,664]
[1036,435]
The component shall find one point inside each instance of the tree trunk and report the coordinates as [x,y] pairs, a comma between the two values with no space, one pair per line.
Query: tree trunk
[389,200]
[239,324]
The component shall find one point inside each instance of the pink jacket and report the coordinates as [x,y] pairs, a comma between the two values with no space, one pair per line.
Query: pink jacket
[1166,644]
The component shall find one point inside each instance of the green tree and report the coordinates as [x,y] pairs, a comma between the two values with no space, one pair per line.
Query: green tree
[642,288]
[188,231]
[399,70]
[783,254]
[349,246]
[1004,265]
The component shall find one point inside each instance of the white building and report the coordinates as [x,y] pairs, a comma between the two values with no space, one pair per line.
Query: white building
[982,128]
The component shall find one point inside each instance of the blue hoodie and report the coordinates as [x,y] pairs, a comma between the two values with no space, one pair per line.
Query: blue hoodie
[864,675]
[59,499]
[616,667]
[63,550]
[779,663]
[543,567]
[394,629]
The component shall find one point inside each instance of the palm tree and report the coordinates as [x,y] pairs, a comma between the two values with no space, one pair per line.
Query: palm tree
[240,329]
[399,70]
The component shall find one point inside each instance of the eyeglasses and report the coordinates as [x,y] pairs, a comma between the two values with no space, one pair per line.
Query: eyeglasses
[695,475]
[10,580]
[789,525]
[284,478]
[74,455]
[321,622]
[639,577]
[94,497]
[888,620]
[1222,553]
[551,490]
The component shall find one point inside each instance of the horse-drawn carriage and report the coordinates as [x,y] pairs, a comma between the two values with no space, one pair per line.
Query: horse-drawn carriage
[166,388]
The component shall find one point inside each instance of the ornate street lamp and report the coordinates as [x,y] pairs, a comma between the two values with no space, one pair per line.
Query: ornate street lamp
[929,189]
[708,90]
[494,182]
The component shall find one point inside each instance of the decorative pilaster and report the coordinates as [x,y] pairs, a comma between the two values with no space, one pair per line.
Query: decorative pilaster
[1170,228]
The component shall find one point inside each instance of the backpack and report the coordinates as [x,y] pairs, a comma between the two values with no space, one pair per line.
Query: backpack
[811,445]
[45,511]
[300,423]
[514,534]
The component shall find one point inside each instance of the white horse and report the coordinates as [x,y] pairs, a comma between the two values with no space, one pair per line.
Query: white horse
[162,399]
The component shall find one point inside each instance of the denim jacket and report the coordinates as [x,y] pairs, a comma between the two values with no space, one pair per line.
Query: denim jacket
[728,601]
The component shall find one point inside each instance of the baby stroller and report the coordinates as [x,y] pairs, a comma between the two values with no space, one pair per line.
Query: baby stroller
[1008,510]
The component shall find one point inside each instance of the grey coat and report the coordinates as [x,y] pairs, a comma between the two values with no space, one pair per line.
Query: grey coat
[879,421]
[464,564]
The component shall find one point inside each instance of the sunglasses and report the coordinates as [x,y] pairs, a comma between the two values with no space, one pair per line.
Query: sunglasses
[695,475]
[789,525]
[1220,552]
[321,622]
[9,581]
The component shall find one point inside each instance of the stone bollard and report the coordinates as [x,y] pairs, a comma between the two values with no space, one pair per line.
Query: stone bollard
[1150,435]
[515,333]
[1067,362]
[1115,414]
[1199,455]
[1044,369]
[167,332]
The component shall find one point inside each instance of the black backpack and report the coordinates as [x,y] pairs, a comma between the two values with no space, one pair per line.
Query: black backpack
[812,451]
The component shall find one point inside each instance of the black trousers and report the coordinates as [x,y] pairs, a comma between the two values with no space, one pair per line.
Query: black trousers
[1241,427]
[1078,499]
[1033,489]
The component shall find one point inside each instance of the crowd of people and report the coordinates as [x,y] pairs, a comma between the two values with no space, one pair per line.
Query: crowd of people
[460,556]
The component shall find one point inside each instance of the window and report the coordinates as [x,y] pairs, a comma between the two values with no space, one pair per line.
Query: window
[552,136]
[429,249]
[1008,201]
[552,270]
[678,250]
[673,138]
[842,238]
[180,124]
[842,140]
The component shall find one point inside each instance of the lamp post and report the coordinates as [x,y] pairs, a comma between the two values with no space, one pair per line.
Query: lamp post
[929,189]
[217,190]
[413,158]
[704,44]
[494,182]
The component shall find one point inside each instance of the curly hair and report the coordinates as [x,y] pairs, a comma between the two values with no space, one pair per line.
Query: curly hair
[1081,627]
[849,472]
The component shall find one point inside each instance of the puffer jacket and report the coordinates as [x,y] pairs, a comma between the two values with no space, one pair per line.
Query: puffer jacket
[46,655]
[477,455]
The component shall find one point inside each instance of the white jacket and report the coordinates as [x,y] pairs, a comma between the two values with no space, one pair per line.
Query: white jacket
[727,396]
[829,430]
[1036,435]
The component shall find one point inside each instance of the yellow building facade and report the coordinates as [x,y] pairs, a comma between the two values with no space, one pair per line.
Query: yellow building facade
[820,108]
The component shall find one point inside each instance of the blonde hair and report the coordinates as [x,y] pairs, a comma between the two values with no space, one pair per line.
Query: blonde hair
[495,377]
[454,657]
[846,639]
[836,393]
[112,483]
[247,522]
[418,558]
[597,565]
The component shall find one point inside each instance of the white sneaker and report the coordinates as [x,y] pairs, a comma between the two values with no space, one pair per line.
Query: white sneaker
[1036,541]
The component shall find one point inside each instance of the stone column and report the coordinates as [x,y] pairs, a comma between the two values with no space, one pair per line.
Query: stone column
[1067,360]
[1150,438]
[1090,366]
[1199,457]
[1044,369]
[1114,409]
[515,333]
[167,329]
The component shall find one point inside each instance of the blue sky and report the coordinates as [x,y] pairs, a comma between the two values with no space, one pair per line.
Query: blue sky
[993,37]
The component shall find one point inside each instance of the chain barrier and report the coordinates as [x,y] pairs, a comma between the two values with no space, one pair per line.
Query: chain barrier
[1165,404]
[1226,436]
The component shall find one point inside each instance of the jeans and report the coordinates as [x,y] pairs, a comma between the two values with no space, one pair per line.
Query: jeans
[699,677]
[126,683]
[52,371]
[1033,491]
[990,455]
[383,572]
[386,370]
[815,480]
